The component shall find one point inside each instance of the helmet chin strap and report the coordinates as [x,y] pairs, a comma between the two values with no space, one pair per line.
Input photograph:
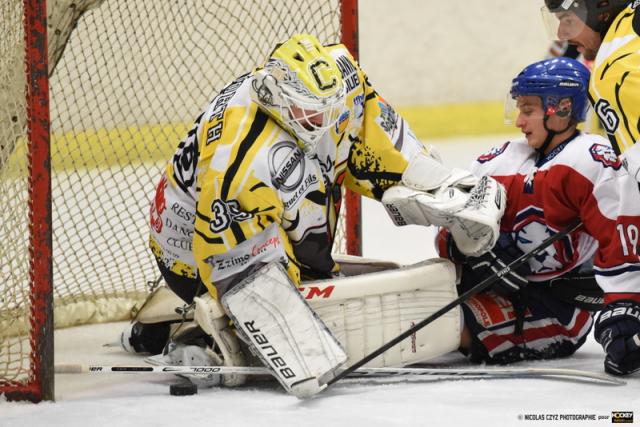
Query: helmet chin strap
[550,134]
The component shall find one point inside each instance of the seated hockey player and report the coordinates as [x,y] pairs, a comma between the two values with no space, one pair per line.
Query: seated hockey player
[552,176]
[248,205]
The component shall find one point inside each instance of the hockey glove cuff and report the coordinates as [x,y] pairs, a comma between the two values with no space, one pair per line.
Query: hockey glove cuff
[618,331]
[503,253]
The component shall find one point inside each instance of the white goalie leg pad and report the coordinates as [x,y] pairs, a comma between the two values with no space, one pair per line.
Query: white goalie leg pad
[284,331]
[351,265]
[364,312]
[160,306]
[210,316]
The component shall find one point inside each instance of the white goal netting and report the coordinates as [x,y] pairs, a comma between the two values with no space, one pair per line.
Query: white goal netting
[127,79]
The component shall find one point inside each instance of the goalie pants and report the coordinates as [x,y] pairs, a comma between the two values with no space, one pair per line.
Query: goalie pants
[549,328]
[185,287]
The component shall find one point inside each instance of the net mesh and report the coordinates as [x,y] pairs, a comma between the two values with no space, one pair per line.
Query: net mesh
[127,79]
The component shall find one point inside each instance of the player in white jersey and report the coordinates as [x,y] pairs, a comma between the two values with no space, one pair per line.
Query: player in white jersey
[554,175]
[249,203]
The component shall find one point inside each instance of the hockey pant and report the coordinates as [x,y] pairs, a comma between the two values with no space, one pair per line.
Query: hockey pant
[186,288]
[545,328]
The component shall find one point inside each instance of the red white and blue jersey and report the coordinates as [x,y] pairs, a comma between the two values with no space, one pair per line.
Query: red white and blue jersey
[581,178]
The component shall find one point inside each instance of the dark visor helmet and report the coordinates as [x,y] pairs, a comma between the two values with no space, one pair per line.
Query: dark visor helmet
[597,14]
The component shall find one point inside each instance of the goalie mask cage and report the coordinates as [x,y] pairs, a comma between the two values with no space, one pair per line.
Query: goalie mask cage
[86,125]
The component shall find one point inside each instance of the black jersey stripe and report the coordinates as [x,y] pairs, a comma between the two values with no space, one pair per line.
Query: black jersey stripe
[293,261]
[625,117]
[267,209]
[266,218]
[258,125]
[609,64]
[212,240]
[258,185]
[238,234]
[624,18]
[610,137]
[202,216]
[205,218]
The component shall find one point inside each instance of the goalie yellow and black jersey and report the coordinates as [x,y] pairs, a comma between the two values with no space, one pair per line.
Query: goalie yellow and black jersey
[239,192]
[614,87]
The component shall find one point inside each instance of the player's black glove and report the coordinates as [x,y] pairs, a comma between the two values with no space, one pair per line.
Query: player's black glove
[503,253]
[618,331]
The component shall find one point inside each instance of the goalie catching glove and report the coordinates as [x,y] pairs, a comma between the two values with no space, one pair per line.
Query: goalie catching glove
[431,194]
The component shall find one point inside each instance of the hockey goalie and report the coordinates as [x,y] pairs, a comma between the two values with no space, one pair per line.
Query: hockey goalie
[247,208]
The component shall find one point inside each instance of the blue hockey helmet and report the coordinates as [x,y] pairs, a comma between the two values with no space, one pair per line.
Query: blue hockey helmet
[554,80]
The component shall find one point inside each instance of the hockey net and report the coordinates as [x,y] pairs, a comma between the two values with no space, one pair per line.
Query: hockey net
[126,80]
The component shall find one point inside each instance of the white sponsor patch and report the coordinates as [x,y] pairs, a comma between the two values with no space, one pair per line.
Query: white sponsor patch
[286,165]
[263,248]
[172,219]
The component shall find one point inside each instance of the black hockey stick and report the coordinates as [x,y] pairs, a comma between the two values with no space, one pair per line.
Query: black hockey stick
[359,374]
[476,289]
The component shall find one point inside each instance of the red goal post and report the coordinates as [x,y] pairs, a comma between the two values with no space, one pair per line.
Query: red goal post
[89,112]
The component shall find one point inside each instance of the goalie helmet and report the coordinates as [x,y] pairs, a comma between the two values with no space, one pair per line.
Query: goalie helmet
[554,80]
[597,14]
[301,87]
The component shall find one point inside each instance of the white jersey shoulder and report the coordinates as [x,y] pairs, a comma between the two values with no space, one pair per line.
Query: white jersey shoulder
[505,159]
[589,155]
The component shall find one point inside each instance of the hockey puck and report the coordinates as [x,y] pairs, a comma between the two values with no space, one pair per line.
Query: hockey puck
[185,389]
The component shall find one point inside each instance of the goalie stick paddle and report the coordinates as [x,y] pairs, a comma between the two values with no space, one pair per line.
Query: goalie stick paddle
[363,373]
[476,289]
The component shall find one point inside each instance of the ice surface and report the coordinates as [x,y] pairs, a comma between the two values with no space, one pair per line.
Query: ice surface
[144,399]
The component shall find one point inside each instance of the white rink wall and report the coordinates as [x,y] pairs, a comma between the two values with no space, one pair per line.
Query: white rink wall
[416,53]
[430,52]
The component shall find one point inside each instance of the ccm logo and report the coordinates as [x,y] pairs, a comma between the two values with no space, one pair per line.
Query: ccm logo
[312,292]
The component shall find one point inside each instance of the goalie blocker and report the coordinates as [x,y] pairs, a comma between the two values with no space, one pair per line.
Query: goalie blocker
[432,194]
